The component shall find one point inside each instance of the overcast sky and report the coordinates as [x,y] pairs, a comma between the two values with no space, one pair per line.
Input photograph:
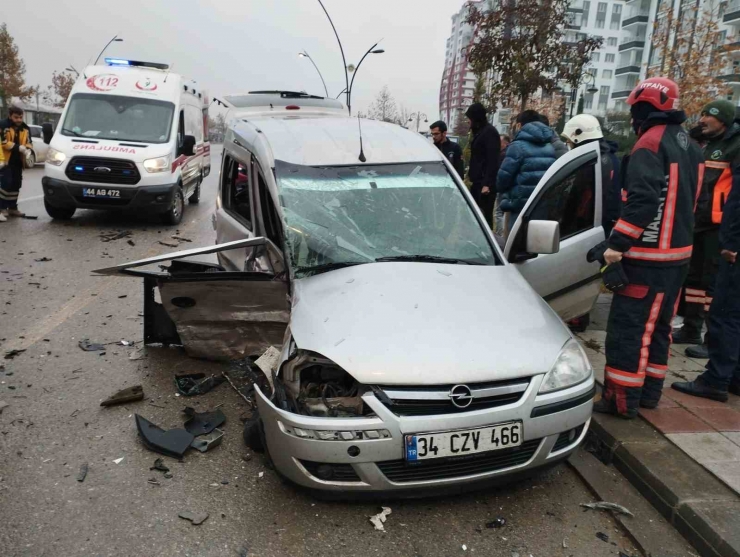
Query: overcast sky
[240,45]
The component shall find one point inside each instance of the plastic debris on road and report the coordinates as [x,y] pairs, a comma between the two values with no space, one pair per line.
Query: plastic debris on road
[118,460]
[500,522]
[268,363]
[129,394]
[89,346]
[195,518]
[83,472]
[191,384]
[201,423]
[379,519]
[606,506]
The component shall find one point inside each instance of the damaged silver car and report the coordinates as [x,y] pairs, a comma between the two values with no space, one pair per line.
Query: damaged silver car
[416,354]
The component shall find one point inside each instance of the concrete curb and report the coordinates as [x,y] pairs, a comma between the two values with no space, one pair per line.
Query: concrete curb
[702,508]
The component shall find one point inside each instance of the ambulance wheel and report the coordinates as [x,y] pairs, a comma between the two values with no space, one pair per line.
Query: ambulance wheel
[57,213]
[195,196]
[173,215]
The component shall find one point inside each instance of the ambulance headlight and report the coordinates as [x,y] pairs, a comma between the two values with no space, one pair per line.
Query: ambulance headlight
[571,367]
[54,157]
[160,164]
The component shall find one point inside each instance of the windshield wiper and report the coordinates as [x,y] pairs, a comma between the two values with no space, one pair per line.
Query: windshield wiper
[67,130]
[426,259]
[324,267]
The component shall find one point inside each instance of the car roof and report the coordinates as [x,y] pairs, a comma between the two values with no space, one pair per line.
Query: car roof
[323,140]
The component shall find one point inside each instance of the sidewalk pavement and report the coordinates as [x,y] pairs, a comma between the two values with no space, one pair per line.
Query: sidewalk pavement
[684,456]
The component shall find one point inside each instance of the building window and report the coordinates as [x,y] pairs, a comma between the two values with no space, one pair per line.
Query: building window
[617,9]
[602,8]
[588,104]
[603,92]
[600,23]
[606,74]
[614,24]
[609,58]
[611,41]
[586,8]
[596,56]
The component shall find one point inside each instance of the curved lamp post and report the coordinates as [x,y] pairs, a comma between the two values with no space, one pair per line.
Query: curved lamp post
[305,54]
[418,116]
[371,50]
[115,39]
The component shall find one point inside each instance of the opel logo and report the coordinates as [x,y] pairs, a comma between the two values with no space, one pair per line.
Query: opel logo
[101,169]
[461,396]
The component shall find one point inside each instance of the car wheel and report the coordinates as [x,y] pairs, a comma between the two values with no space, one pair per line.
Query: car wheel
[173,215]
[195,196]
[253,434]
[57,213]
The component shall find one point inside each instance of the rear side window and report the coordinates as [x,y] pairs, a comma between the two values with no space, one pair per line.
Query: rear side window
[571,202]
[236,190]
[273,227]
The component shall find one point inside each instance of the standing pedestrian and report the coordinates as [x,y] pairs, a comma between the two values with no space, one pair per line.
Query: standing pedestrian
[653,241]
[527,159]
[583,129]
[485,150]
[449,149]
[722,152]
[16,141]
[560,147]
[722,374]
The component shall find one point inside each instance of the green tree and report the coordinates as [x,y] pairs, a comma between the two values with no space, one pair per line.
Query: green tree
[522,47]
[12,70]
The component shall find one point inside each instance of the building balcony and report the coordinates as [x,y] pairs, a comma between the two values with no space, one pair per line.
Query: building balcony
[640,17]
[621,94]
[630,43]
[732,13]
[624,70]
[731,79]
[576,6]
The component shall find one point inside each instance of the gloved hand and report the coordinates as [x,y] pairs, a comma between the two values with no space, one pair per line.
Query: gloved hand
[596,253]
[613,275]
[22,149]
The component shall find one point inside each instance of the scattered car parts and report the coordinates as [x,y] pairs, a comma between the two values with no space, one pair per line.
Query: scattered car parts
[201,423]
[83,472]
[207,442]
[88,346]
[173,442]
[606,506]
[378,519]
[129,394]
[159,465]
[192,384]
[194,517]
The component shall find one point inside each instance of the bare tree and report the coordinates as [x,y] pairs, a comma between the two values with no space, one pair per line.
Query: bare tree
[404,114]
[12,70]
[384,107]
[62,84]
[521,47]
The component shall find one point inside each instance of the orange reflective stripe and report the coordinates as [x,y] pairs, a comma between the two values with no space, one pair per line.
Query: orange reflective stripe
[695,299]
[656,370]
[721,193]
[647,336]
[669,213]
[624,378]
[696,292]
[629,229]
[699,184]
[624,196]
[717,164]
[653,254]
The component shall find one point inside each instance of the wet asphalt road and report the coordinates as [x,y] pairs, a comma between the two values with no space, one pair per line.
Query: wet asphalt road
[53,423]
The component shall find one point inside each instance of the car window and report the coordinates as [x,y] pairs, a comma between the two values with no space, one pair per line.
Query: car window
[237,191]
[357,214]
[273,228]
[571,202]
[36,132]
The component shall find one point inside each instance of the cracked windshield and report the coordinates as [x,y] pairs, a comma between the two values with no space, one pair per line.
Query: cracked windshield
[341,216]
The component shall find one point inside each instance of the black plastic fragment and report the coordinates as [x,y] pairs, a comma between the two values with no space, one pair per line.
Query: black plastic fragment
[200,423]
[129,394]
[88,346]
[173,442]
[196,383]
[159,465]
[83,473]
[500,522]
[602,536]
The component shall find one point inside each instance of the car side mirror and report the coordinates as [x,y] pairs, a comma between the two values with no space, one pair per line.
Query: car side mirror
[188,145]
[48,132]
[543,236]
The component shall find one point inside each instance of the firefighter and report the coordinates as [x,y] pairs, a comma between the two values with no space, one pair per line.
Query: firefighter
[721,151]
[652,240]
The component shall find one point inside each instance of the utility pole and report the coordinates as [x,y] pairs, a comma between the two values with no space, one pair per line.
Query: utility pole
[418,116]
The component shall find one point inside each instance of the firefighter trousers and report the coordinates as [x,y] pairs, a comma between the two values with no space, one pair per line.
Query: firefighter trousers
[638,336]
[699,288]
[11,180]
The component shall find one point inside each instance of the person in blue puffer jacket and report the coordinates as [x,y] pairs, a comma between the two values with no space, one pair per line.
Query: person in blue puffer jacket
[527,159]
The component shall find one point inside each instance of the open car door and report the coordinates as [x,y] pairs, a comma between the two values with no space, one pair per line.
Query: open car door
[570,194]
[214,314]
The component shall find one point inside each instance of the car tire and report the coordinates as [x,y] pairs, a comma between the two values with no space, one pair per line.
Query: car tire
[173,215]
[253,433]
[59,213]
[194,198]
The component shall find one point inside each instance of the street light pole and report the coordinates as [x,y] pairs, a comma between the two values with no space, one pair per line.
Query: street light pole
[418,116]
[371,50]
[305,54]
[114,39]
[341,49]
[72,69]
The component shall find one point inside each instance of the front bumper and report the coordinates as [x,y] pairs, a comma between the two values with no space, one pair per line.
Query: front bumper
[62,194]
[554,425]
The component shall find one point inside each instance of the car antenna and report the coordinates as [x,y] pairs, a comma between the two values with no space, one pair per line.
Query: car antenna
[362,154]
[168,72]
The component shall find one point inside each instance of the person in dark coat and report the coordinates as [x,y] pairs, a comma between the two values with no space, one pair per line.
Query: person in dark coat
[485,150]
[449,149]
[558,144]
[527,159]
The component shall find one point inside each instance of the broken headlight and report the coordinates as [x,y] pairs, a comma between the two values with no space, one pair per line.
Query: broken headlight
[571,367]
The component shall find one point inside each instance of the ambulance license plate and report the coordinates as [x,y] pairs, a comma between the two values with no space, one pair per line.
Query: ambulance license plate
[100,192]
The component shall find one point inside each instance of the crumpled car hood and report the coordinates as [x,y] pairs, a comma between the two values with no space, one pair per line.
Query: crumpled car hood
[426,323]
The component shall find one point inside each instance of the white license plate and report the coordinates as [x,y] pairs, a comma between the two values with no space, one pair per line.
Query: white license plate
[463,442]
[100,192]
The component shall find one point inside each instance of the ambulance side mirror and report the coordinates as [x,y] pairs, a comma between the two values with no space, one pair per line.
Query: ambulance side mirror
[47,131]
[188,146]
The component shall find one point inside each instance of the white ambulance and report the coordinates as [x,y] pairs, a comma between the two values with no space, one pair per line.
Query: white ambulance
[134,136]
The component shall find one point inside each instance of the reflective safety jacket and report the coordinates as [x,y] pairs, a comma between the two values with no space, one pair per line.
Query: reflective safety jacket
[661,180]
[721,155]
[11,138]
